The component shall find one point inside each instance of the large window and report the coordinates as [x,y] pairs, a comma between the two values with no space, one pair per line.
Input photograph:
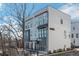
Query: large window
[43,38]
[42,32]
[43,19]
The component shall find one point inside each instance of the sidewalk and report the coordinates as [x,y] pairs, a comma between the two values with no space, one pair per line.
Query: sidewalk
[77,49]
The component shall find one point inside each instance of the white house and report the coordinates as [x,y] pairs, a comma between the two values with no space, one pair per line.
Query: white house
[75,33]
[48,30]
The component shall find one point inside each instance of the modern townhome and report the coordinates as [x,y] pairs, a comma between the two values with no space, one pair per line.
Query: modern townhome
[48,30]
[75,33]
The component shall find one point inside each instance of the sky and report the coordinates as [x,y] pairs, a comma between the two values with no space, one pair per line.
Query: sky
[71,9]
[68,8]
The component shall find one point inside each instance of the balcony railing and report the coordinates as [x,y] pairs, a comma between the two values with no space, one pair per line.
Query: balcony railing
[34,46]
[42,26]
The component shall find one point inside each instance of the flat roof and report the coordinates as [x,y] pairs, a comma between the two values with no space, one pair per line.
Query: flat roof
[37,13]
[41,11]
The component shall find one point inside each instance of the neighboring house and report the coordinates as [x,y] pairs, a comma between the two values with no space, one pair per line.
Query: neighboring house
[75,33]
[48,30]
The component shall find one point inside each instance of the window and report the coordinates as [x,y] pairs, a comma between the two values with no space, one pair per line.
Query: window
[42,33]
[76,35]
[52,28]
[74,41]
[69,35]
[42,19]
[26,27]
[61,21]
[65,34]
[39,33]
[28,35]
[72,35]
[45,33]
[73,28]
[30,24]
[45,18]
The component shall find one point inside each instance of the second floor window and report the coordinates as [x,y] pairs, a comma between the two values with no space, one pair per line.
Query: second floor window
[69,35]
[72,35]
[73,28]
[65,34]
[76,35]
[61,21]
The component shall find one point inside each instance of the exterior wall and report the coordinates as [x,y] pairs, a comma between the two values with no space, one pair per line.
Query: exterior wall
[57,38]
[59,34]
[75,31]
[38,30]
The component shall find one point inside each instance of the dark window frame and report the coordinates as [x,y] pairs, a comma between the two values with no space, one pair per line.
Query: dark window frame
[77,36]
[65,36]
[72,35]
[73,28]
[61,21]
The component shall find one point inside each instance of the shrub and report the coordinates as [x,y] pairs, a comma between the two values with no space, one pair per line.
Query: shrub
[64,49]
[72,48]
[54,51]
[49,52]
[59,50]
[68,49]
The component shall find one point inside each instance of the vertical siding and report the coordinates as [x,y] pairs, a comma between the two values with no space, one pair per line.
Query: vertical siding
[56,37]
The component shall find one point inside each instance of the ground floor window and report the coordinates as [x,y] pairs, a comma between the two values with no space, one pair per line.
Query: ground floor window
[43,35]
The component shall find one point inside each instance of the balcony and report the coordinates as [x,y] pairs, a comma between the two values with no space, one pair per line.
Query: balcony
[42,26]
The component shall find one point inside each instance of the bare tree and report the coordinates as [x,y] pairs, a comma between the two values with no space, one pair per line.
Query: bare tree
[5,29]
[20,12]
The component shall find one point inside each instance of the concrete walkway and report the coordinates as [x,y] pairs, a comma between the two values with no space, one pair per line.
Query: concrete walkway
[76,49]
[74,52]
